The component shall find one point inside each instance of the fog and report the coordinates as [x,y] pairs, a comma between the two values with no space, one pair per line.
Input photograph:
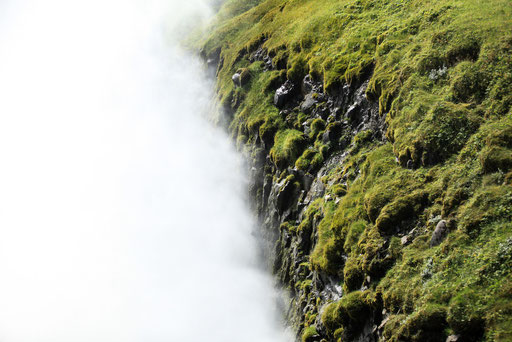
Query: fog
[122,214]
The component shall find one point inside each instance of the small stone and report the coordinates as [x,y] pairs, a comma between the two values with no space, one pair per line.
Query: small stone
[453,338]
[404,240]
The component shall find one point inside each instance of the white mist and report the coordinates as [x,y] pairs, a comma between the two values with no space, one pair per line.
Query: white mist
[121,209]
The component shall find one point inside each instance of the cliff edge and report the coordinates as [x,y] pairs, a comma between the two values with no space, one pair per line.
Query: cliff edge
[379,134]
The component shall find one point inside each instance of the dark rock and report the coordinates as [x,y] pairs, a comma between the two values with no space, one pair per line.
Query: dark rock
[305,179]
[323,112]
[353,111]
[241,77]
[283,94]
[439,233]
[307,85]
[286,195]
[326,137]
[309,102]
[332,134]
[262,55]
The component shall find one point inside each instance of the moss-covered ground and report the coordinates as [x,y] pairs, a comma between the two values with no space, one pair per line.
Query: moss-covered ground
[441,72]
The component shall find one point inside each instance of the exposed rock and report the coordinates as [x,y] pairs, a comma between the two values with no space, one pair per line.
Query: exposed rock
[454,338]
[439,233]
[285,200]
[309,102]
[262,55]
[236,80]
[241,77]
[283,94]
[405,240]
[383,323]
[307,85]
[332,133]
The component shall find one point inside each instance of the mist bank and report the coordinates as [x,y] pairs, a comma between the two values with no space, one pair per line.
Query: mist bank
[122,210]
[379,135]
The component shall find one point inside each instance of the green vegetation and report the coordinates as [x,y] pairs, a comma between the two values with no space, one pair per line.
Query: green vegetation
[441,72]
[288,146]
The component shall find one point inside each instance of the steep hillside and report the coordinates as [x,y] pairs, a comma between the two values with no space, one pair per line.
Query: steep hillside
[379,134]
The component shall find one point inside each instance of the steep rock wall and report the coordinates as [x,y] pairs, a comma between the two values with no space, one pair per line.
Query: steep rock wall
[379,138]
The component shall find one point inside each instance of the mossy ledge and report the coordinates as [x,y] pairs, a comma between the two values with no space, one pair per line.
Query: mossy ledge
[379,135]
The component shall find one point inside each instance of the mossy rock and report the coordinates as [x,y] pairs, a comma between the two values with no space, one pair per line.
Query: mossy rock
[349,313]
[353,275]
[288,146]
[441,74]
[401,209]
[427,324]
[309,334]
[495,159]
[465,315]
[310,161]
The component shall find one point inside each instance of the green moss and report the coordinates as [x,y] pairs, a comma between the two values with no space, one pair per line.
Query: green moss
[353,275]
[317,126]
[425,324]
[309,334]
[401,209]
[464,316]
[297,69]
[288,146]
[495,159]
[354,232]
[310,161]
[349,313]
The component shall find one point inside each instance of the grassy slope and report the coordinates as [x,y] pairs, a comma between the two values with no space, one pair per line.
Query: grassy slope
[442,72]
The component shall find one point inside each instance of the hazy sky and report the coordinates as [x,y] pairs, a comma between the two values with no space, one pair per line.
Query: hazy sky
[121,210]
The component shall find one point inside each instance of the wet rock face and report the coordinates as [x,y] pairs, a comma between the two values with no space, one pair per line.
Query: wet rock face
[282,197]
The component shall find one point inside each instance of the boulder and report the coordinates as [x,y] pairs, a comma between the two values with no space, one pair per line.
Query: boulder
[439,233]
[241,77]
[237,80]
